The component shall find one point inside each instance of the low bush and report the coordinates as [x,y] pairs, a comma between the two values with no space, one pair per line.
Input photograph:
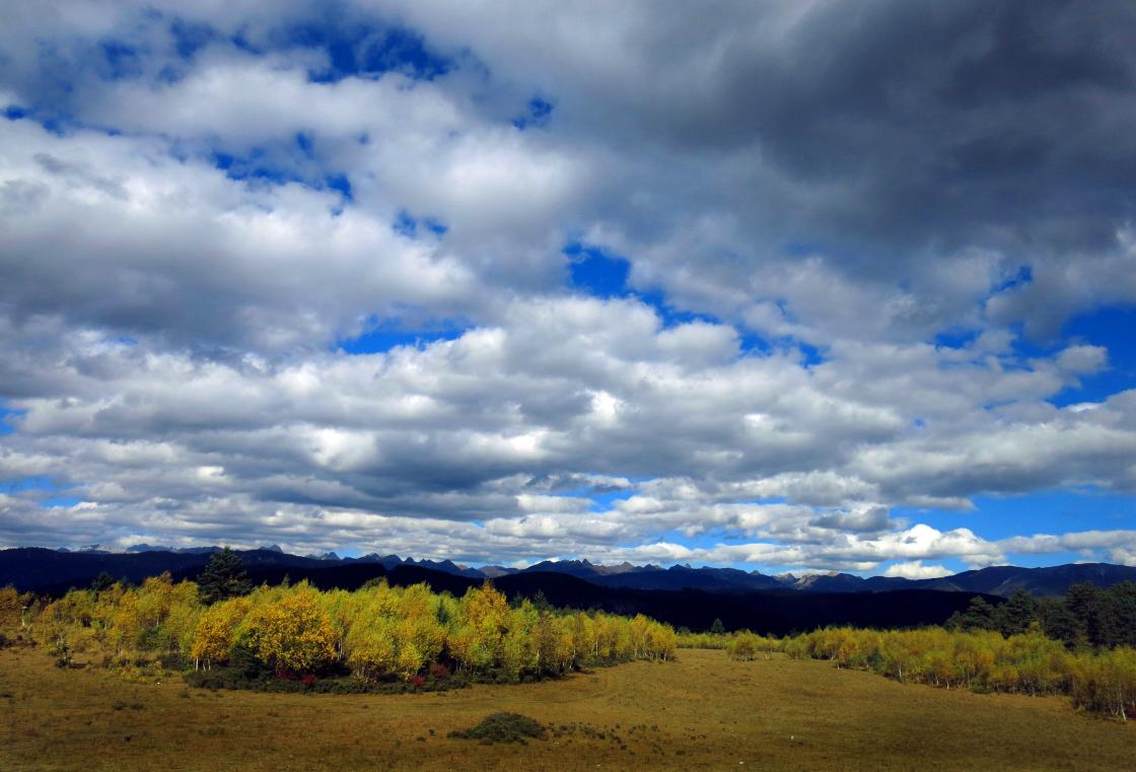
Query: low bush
[745,646]
[739,645]
[11,604]
[689,640]
[61,649]
[503,728]
[123,705]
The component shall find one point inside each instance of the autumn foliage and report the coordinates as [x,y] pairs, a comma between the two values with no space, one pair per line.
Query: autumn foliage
[1101,681]
[11,606]
[375,634]
[741,645]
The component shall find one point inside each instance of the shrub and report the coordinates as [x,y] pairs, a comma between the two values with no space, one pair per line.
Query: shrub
[10,606]
[503,728]
[60,648]
[689,640]
[745,646]
[123,705]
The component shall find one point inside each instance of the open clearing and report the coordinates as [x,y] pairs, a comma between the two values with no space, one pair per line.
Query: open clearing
[703,711]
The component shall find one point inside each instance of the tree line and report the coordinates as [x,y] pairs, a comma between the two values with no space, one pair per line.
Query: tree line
[1082,645]
[1101,681]
[375,634]
[1086,617]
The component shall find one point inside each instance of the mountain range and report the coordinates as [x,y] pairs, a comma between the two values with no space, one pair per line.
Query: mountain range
[46,570]
[681,595]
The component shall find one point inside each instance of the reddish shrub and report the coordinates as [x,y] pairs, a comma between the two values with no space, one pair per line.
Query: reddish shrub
[418,681]
[438,671]
[309,680]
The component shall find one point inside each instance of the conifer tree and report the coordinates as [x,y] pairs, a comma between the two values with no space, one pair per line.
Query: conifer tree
[102,582]
[979,615]
[222,578]
[1014,616]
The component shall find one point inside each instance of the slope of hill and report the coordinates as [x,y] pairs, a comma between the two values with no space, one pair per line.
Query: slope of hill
[1050,580]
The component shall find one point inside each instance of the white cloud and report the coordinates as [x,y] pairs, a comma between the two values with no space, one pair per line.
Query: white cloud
[916,569]
[519,426]
[168,327]
[1123,556]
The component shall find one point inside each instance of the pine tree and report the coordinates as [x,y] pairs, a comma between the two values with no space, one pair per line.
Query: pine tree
[222,578]
[1085,601]
[979,615]
[717,628]
[1015,615]
[1060,623]
[1122,614]
[102,582]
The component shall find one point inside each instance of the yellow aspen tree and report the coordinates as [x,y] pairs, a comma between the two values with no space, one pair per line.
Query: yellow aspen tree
[370,647]
[293,634]
[215,633]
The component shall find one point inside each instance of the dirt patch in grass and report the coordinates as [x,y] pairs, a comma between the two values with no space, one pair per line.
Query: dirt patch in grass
[503,728]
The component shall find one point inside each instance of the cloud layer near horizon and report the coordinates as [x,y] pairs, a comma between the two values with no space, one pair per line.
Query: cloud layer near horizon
[839,250]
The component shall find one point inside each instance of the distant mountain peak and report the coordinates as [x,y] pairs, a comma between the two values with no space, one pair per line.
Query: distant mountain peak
[584,568]
[137,549]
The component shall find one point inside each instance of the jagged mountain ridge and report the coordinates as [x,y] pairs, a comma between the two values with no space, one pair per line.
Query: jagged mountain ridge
[37,568]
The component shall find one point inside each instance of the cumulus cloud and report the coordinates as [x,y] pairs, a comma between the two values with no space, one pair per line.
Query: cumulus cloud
[1123,556]
[849,249]
[916,569]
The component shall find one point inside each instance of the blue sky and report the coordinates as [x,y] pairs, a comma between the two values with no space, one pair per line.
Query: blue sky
[1114,328]
[490,286]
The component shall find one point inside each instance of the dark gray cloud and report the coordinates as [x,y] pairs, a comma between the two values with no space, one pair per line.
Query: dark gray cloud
[891,138]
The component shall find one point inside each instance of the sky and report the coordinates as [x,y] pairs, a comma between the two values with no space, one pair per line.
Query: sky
[796,285]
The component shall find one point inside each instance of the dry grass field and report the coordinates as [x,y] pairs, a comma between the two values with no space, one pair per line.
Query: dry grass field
[702,712]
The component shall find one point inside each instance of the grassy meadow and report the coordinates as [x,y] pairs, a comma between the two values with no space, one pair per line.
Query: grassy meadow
[703,710]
